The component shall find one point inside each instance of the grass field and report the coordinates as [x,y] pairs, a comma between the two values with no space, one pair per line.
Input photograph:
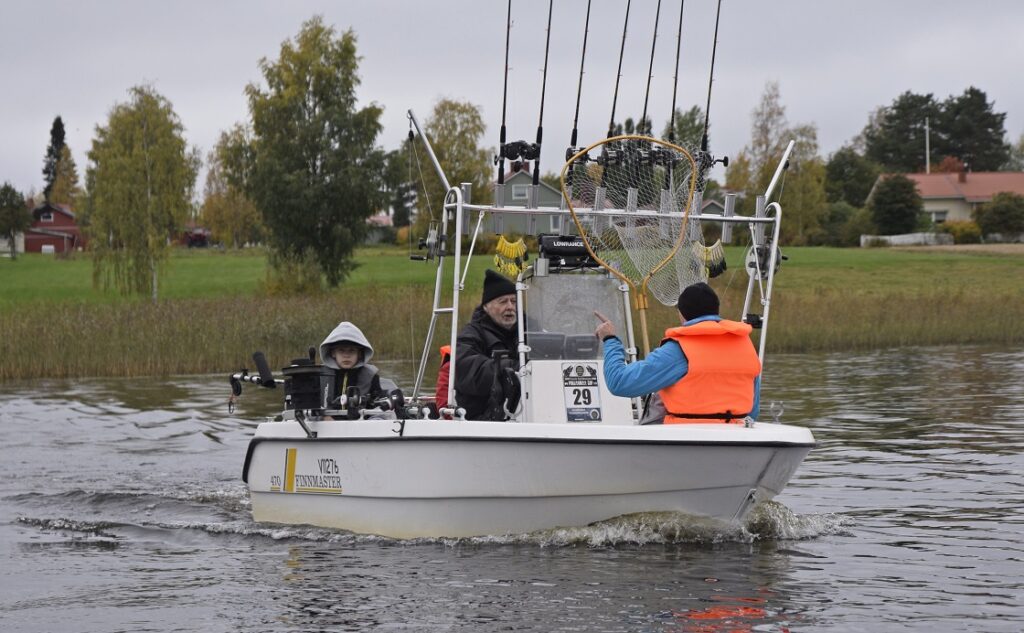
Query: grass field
[211,315]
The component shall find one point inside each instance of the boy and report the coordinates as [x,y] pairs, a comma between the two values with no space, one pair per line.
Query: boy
[347,351]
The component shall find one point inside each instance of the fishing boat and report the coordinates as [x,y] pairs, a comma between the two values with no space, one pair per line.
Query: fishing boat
[570,452]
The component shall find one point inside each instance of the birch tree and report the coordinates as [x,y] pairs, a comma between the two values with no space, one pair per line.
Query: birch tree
[140,181]
[317,172]
[229,214]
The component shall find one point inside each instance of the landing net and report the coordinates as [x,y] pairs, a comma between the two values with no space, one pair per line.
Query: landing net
[620,193]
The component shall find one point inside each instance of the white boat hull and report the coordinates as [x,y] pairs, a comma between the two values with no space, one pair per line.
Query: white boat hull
[423,478]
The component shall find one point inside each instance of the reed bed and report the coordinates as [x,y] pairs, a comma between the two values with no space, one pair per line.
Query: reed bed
[201,335]
[190,336]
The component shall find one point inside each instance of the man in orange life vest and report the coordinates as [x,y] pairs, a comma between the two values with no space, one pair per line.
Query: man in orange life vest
[705,371]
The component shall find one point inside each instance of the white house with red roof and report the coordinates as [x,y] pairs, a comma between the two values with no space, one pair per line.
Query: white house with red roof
[953,196]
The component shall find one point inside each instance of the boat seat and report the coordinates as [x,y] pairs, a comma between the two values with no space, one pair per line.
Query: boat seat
[545,345]
[580,347]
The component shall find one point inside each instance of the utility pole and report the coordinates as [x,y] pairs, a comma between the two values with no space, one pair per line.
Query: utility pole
[927,149]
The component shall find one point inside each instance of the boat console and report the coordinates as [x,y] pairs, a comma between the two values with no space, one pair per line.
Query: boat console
[562,366]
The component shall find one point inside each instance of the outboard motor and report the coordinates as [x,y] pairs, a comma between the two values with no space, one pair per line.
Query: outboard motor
[308,386]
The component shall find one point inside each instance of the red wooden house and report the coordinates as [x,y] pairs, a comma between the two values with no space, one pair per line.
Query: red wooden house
[53,230]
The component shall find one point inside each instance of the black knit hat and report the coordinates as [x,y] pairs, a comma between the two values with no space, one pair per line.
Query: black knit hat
[496,285]
[697,300]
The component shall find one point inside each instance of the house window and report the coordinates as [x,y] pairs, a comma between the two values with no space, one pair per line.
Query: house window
[520,192]
[556,224]
[938,217]
[46,216]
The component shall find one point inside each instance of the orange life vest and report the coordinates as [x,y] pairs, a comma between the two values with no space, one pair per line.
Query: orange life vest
[719,381]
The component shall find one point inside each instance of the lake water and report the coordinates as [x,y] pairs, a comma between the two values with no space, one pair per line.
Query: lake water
[122,509]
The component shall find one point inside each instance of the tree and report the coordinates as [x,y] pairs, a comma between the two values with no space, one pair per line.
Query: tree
[894,137]
[972,131]
[1004,214]
[895,205]
[140,182]
[689,127]
[53,155]
[837,214]
[229,214]
[751,170]
[401,189]
[317,172]
[65,189]
[849,176]
[455,130]
[1015,161]
[965,127]
[14,215]
[802,194]
[860,223]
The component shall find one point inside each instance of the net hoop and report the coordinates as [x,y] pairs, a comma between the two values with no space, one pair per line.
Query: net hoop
[642,298]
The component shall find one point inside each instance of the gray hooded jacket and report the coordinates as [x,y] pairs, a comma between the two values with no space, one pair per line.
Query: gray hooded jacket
[363,374]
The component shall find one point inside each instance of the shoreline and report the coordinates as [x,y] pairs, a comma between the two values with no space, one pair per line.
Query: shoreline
[54,326]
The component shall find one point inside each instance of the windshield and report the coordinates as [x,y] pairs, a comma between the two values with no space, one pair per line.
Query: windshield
[559,310]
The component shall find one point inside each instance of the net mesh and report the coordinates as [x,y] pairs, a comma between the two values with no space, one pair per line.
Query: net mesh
[621,192]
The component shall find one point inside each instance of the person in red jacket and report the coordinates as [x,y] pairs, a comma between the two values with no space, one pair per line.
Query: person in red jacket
[705,371]
[441,391]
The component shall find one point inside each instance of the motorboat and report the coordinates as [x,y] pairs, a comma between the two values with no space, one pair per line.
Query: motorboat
[569,452]
[572,453]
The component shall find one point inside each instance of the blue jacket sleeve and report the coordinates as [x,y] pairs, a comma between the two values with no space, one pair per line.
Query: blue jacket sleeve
[663,367]
[757,398]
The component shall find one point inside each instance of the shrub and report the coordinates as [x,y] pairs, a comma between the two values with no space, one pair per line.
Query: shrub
[963,231]
[402,235]
[860,223]
[1004,214]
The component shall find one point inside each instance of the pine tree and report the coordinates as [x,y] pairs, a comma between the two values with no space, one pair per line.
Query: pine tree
[53,154]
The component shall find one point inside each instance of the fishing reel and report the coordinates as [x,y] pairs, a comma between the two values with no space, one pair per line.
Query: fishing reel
[572,151]
[434,243]
[610,157]
[758,258]
[515,150]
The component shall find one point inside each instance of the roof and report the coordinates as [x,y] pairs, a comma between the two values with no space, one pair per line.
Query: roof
[46,206]
[978,186]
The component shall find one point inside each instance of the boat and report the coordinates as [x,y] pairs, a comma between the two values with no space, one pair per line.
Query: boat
[570,453]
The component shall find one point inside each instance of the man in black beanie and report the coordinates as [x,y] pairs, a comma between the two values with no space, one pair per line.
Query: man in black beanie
[486,386]
[705,371]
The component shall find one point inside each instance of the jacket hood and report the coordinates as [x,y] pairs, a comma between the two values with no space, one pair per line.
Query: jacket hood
[345,332]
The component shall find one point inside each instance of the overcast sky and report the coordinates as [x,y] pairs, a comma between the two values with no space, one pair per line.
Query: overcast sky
[835,62]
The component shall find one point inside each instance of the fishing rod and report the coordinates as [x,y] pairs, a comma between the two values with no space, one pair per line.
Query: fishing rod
[675,77]
[579,90]
[675,87]
[618,76]
[706,159]
[543,88]
[517,150]
[650,72]
[499,160]
[572,149]
[613,156]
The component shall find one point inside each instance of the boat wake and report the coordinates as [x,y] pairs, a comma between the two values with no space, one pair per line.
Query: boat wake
[184,516]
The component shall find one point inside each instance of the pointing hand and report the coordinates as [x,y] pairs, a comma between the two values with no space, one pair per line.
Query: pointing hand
[605,329]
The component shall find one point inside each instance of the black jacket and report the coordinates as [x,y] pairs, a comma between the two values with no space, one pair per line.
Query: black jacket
[474,367]
[363,376]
